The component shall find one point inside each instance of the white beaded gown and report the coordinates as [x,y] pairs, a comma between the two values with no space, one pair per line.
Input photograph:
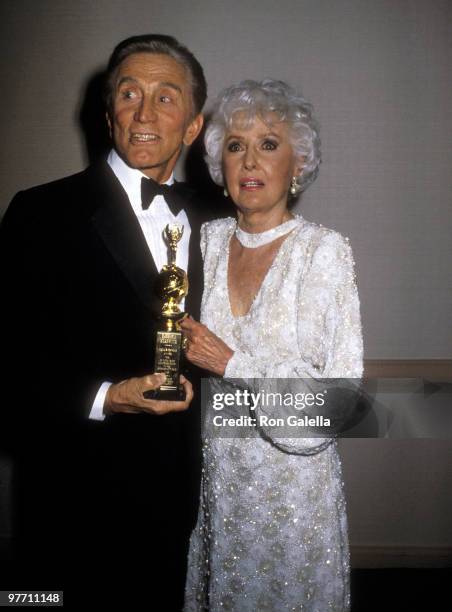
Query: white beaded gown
[272,530]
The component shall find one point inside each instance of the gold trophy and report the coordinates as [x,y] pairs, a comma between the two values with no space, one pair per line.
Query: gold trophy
[171,287]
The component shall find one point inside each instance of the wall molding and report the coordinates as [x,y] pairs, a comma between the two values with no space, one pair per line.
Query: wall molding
[370,557]
[430,369]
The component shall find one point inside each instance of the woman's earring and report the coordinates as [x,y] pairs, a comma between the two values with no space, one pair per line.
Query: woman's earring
[293,186]
[225,192]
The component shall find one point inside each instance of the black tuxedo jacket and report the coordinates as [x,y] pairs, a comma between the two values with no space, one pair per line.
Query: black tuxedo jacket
[79,309]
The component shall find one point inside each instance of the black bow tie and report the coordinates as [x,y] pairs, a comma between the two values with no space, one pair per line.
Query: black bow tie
[150,188]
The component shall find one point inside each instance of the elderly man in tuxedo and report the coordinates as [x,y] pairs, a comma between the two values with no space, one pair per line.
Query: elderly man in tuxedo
[106,480]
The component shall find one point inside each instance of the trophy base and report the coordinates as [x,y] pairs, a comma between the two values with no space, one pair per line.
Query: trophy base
[169,394]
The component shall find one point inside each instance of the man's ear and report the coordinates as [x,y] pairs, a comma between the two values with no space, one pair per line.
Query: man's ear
[107,117]
[193,129]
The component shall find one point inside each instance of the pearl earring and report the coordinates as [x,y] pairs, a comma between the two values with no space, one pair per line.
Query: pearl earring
[293,186]
[225,192]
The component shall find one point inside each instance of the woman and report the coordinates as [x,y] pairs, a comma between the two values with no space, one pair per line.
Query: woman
[280,301]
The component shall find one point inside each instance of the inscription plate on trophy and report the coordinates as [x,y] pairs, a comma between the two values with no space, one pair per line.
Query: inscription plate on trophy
[167,356]
[171,287]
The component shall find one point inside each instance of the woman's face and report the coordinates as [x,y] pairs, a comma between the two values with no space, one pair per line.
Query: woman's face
[258,163]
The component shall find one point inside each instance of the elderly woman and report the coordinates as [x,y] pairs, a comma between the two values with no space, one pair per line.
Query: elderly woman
[280,301]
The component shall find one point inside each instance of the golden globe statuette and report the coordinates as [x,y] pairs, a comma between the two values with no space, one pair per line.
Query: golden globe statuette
[172,287]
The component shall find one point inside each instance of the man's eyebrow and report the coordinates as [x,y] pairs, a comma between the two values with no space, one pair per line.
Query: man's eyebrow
[130,79]
[126,79]
[172,85]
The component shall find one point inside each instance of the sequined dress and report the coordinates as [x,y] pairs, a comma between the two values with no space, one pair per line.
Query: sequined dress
[272,531]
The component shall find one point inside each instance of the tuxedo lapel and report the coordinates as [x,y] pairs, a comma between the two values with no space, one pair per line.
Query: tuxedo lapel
[195,264]
[117,225]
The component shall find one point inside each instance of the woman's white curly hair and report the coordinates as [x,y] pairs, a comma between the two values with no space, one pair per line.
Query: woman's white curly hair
[258,99]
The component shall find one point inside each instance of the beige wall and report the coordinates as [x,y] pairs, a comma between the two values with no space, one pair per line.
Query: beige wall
[378,73]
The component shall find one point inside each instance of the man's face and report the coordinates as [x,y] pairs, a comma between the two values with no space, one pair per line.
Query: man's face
[152,113]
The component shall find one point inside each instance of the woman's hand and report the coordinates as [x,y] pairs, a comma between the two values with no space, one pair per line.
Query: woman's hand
[205,349]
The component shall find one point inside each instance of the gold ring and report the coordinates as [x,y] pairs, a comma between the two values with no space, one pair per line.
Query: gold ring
[184,343]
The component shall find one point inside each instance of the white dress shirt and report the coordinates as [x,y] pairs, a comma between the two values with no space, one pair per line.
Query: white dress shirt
[152,222]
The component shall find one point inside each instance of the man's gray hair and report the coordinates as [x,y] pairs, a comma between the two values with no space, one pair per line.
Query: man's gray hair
[257,99]
[158,44]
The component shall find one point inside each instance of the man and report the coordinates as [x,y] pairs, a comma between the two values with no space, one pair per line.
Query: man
[107,480]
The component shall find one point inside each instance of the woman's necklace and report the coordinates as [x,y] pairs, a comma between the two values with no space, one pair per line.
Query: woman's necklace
[252,241]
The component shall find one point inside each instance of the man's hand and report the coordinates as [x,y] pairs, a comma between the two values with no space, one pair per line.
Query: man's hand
[204,348]
[127,396]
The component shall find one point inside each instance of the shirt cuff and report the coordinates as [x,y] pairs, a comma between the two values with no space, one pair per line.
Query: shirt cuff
[97,409]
